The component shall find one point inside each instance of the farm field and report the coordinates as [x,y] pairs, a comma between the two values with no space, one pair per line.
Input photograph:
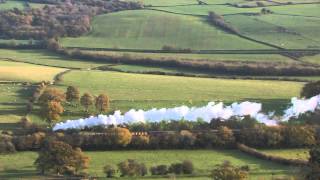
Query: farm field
[128,91]
[13,103]
[289,153]
[204,160]
[46,58]
[147,29]
[23,72]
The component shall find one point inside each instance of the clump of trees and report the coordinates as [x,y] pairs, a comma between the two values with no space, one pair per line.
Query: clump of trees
[57,157]
[64,18]
[6,145]
[53,100]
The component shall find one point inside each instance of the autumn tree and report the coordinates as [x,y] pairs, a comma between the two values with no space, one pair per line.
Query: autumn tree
[52,94]
[57,157]
[52,111]
[86,101]
[102,103]
[72,94]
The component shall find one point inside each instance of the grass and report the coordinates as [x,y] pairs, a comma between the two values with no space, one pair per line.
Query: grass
[204,10]
[299,9]
[43,57]
[143,91]
[209,57]
[13,101]
[21,164]
[22,72]
[289,153]
[312,59]
[147,29]
[272,29]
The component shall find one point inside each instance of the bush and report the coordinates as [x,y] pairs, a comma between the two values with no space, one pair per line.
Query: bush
[176,168]
[225,137]
[132,168]
[159,170]
[206,140]
[186,139]
[109,170]
[227,171]
[187,167]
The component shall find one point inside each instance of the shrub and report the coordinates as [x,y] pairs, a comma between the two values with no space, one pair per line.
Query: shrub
[227,171]
[187,167]
[109,170]
[51,94]
[206,140]
[102,103]
[176,168]
[25,122]
[131,168]
[159,170]
[253,137]
[313,172]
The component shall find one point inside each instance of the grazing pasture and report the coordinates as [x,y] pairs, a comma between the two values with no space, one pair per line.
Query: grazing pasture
[43,57]
[13,101]
[11,4]
[289,153]
[21,164]
[147,29]
[146,91]
[23,72]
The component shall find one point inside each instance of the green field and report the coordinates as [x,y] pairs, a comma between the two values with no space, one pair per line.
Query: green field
[147,29]
[283,31]
[13,101]
[289,153]
[43,57]
[23,72]
[204,10]
[312,59]
[21,164]
[146,91]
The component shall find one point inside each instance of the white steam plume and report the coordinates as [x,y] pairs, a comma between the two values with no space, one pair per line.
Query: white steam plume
[206,113]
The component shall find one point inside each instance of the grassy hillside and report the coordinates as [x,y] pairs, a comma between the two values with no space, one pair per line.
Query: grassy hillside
[147,29]
[23,72]
[21,164]
[279,30]
[289,153]
[146,91]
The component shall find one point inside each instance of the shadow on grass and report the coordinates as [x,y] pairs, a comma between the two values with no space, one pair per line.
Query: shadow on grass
[18,173]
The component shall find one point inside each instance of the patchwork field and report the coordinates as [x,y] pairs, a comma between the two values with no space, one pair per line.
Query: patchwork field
[23,72]
[21,164]
[147,29]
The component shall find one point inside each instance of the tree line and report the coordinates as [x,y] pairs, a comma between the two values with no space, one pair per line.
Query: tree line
[57,19]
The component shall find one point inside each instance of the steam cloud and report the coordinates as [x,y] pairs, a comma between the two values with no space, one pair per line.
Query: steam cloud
[206,113]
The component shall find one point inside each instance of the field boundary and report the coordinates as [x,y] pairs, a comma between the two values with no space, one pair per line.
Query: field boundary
[253,152]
